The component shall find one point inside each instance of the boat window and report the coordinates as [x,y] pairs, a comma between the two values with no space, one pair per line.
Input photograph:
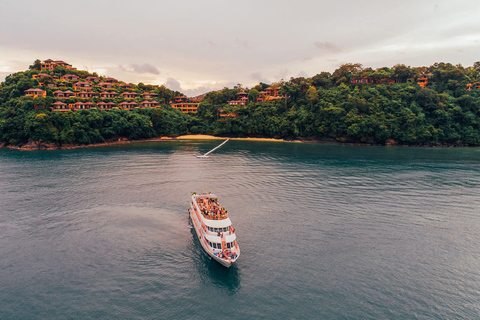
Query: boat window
[228,245]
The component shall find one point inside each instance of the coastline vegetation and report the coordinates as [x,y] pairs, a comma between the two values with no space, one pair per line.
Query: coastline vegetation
[353,104]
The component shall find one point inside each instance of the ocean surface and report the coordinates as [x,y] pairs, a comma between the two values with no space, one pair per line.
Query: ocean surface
[326,232]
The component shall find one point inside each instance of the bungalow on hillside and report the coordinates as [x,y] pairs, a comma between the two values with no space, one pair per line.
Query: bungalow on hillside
[105,85]
[82,105]
[86,94]
[270,94]
[111,80]
[422,81]
[125,86]
[63,94]
[59,94]
[228,115]
[110,105]
[40,75]
[68,94]
[149,95]
[242,99]
[90,105]
[149,104]
[92,79]
[82,85]
[50,64]
[60,106]
[35,93]
[69,77]
[106,105]
[184,104]
[108,95]
[129,95]
[128,105]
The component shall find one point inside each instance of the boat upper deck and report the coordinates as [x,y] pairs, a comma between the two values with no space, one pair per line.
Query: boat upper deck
[210,208]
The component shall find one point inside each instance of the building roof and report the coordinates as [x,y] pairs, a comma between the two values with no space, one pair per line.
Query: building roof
[59,103]
[35,90]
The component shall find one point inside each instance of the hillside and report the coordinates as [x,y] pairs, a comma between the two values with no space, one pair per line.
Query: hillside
[435,106]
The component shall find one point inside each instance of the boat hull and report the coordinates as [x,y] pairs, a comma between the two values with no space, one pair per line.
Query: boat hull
[224,262]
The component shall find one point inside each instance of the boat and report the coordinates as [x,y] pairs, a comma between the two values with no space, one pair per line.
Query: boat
[214,228]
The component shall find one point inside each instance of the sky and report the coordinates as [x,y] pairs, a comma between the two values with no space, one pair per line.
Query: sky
[196,46]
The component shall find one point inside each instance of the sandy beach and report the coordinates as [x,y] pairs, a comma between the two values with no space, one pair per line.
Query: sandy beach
[209,137]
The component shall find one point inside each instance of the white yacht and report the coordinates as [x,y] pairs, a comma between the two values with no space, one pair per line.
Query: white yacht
[214,228]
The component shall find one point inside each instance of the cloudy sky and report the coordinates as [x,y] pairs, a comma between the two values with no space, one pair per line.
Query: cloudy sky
[200,45]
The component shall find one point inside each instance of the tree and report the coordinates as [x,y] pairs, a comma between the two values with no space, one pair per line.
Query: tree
[37,65]
[253,95]
[312,95]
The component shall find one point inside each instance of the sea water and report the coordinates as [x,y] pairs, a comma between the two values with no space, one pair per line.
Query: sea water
[325,231]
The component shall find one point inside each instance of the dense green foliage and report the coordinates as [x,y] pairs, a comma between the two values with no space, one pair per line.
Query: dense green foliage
[324,106]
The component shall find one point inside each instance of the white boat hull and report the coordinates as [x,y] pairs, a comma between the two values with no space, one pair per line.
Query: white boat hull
[196,225]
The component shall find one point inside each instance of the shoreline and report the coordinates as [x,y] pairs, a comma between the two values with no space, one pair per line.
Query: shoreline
[40,145]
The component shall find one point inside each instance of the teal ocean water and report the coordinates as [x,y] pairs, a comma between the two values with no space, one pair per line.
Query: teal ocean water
[326,232]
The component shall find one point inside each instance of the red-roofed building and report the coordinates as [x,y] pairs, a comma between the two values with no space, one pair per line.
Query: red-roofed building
[125,86]
[149,104]
[60,106]
[106,85]
[40,75]
[228,115]
[129,95]
[149,95]
[82,85]
[35,93]
[242,99]
[50,64]
[184,104]
[69,77]
[128,105]
[102,105]
[422,81]
[86,94]
[111,80]
[92,79]
[108,95]
[270,94]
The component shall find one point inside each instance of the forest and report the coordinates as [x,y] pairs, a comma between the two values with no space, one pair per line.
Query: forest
[353,104]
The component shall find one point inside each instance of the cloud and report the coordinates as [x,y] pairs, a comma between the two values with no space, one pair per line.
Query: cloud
[302,74]
[173,84]
[328,47]
[211,44]
[145,68]
[283,74]
[140,68]
[242,43]
[258,77]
